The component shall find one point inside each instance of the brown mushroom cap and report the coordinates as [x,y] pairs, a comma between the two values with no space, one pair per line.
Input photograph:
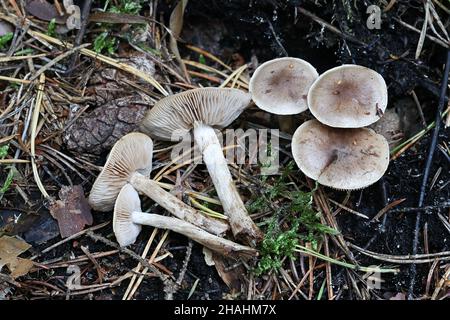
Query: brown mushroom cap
[346,159]
[125,230]
[349,96]
[133,152]
[216,107]
[280,86]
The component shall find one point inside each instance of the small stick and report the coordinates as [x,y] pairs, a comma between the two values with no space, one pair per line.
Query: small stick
[359,214]
[97,266]
[419,108]
[138,267]
[168,282]
[34,123]
[387,208]
[430,275]
[215,243]
[185,263]
[441,284]
[330,27]
[76,235]
[151,260]
[434,39]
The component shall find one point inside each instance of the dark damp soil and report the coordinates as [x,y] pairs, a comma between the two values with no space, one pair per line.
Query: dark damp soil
[269,29]
[262,30]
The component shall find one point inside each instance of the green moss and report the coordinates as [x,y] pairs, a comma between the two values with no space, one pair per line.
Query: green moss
[105,42]
[51,29]
[293,220]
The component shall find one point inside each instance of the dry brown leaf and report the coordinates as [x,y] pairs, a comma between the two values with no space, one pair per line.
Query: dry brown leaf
[72,211]
[232,276]
[43,10]
[20,267]
[10,249]
[176,25]
[208,256]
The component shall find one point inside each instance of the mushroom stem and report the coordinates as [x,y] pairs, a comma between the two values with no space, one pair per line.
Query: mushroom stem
[241,224]
[215,243]
[175,206]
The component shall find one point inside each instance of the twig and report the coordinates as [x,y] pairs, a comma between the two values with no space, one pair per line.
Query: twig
[185,262]
[138,267]
[425,208]
[404,259]
[151,260]
[76,235]
[96,264]
[277,39]
[57,59]
[423,32]
[419,108]
[434,39]
[168,282]
[34,124]
[6,278]
[441,284]
[359,214]
[122,66]
[387,208]
[330,27]
[426,173]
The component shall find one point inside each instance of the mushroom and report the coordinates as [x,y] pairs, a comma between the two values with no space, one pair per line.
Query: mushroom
[201,110]
[346,159]
[130,161]
[280,86]
[128,219]
[348,96]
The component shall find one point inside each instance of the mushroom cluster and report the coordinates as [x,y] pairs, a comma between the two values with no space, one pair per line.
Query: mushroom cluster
[334,149]
[126,171]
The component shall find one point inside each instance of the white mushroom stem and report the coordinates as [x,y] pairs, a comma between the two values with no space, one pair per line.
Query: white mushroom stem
[241,224]
[175,206]
[215,243]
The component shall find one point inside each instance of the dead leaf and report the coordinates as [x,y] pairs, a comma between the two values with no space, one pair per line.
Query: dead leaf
[176,25]
[232,276]
[208,255]
[10,249]
[43,10]
[20,267]
[72,211]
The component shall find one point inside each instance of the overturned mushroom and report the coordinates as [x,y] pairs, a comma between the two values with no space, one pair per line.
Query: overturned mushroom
[345,159]
[349,96]
[280,86]
[201,110]
[128,219]
[130,161]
